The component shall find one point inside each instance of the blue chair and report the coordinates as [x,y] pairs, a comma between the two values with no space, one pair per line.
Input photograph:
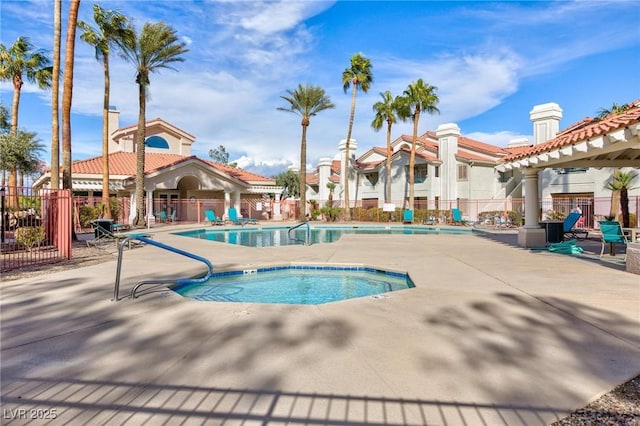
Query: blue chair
[211,217]
[612,234]
[456,217]
[407,216]
[233,217]
[568,226]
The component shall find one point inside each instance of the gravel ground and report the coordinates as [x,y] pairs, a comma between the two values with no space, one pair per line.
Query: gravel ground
[619,407]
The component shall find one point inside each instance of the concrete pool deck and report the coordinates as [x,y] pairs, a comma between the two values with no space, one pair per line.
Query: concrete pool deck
[492,334]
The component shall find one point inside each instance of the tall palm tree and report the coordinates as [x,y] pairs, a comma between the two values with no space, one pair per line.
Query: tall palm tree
[418,97]
[358,75]
[55,95]
[386,112]
[113,29]
[155,48]
[306,101]
[621,183]
[18,62]
[67,92]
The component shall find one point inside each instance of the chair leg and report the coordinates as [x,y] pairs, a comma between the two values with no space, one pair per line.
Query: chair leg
[602,251]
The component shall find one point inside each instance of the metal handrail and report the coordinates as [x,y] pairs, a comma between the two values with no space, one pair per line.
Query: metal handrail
[116,290]
[307,236]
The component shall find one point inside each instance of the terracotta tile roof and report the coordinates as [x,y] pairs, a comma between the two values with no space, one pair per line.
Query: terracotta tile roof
[150,123]
[585,129]
[124,164]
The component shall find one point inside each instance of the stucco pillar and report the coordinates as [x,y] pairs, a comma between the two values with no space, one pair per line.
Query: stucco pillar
[149,211]
[227,204]
[448,135]
[236,203]
[531,234]
[277,215]
[324,171]
[132,209]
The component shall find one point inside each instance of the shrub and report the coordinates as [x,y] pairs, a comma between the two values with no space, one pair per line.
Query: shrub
[331,213]
[30,236]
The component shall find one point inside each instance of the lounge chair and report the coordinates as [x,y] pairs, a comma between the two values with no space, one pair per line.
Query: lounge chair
[233,217]
[407,216]
[569,224]
[612,233]
[456,217]
[211,217]
[104,236]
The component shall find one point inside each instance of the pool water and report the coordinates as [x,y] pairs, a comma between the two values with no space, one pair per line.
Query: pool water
[305,285]
[279,236]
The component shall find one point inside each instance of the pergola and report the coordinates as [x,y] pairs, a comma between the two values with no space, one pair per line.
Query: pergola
[613,141]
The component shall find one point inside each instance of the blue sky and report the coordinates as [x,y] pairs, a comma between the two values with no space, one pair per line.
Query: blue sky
[491,62]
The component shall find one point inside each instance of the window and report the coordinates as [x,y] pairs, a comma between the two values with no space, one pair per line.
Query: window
[568,170]
[437,171]
[372,178]
[419,173]
[462,172]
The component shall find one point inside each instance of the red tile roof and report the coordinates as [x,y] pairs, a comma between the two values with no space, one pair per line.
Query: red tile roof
[585,129]
[124,163]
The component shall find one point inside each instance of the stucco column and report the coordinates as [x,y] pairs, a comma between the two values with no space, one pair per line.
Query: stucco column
[227,204]
[236,203]
[531,234]
[277,215]
[132,208]
[150,215]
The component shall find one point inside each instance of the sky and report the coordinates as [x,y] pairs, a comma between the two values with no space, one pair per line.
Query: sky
[490,62]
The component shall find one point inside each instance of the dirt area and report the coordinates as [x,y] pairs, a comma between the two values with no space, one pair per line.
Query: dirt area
[621,406]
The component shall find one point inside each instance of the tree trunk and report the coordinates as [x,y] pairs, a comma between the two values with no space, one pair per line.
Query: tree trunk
[624,206]
[412,158]
[105,139]
[139,220]
[12,193]
[303,171]
[387,192]
[67,96]
[347,207]
[55,96]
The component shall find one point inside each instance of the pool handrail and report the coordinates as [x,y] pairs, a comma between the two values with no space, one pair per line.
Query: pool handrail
[307,241]
[145,239]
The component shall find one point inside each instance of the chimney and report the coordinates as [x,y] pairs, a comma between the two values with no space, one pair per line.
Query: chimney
[546,122]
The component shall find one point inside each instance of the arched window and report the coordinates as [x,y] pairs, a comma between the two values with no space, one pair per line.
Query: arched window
[156,142]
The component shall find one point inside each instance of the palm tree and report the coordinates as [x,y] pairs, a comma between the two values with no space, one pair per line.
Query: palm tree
[306,101]
[18,62]
[386,111]
[113,30]
[55,95]
[155,48]
[418,97]
[67,92]
[20,151]
[358,75]
[621,183]
[615,109]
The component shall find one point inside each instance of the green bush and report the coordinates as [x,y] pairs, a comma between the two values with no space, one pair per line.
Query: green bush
[331,213]
[30,236]
[88,214]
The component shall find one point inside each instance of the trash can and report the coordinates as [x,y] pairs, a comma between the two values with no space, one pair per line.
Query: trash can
[105,224]
[554,230]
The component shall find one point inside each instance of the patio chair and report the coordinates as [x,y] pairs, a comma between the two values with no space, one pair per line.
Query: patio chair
[211,217]
[612,234]
[104,236]
[233,217]
[569,228]
[172,218]
[407,216]
[456,217]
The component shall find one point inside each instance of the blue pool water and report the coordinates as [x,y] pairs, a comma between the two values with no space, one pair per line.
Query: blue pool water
[279,236]
[306,285]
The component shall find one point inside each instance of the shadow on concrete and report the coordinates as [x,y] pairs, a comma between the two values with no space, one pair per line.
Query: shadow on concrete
[116,402]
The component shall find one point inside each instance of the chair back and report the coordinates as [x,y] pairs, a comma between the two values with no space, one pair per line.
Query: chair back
[210,215]
[612,232]
[233,214]
[407,216]
[570,221]
[456,215]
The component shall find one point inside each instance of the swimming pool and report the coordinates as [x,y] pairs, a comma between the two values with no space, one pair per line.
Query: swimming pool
[279,236]
[296,284]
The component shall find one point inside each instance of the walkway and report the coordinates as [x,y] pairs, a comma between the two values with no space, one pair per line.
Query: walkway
[492,334]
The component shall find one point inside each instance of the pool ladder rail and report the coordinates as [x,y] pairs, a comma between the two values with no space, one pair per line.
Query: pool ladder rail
[307,240]
[139,284]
